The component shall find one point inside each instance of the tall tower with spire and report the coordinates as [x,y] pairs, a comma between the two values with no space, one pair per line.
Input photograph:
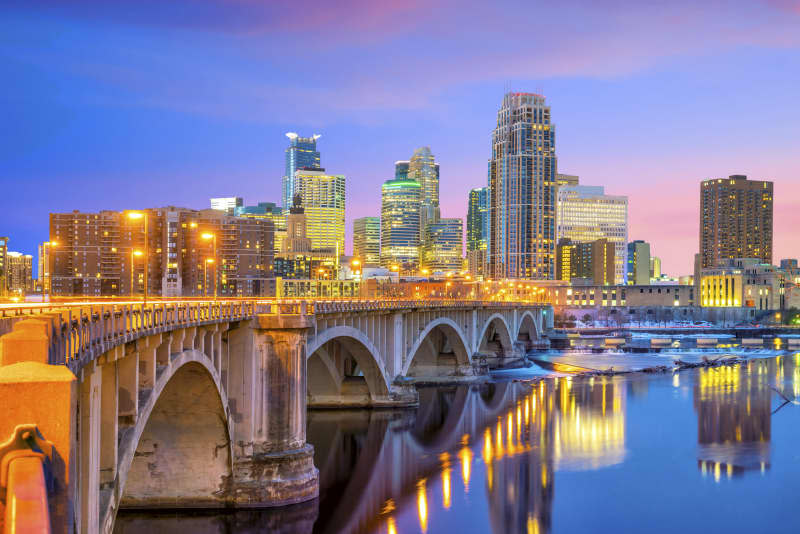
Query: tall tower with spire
[300,154]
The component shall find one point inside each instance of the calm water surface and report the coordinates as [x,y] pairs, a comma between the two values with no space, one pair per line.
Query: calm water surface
[708,450]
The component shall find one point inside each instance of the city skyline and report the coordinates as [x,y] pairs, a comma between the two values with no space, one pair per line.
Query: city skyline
[672,105]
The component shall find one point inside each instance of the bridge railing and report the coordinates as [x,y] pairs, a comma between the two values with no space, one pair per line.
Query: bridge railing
[83,331]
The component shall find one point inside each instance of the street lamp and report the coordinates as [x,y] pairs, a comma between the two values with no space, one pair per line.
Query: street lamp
[205,275]
[136,253]
[213,238]
[136,215]
[356,266]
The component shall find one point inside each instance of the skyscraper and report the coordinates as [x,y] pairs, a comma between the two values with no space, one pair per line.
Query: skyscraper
[442,245]
[367,240]
[638,263]
[425,170]
[323,199]
[478,219]
[522,174]
[477,230]
[400,232]
[735,220]
[300,154]
[586,213]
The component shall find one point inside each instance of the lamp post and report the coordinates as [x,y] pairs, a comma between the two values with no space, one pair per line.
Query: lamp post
[135,215]
[205,275]
[213,238]
[135,253]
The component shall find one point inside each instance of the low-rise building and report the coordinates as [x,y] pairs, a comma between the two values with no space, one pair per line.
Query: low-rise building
[164,251]
[745,283]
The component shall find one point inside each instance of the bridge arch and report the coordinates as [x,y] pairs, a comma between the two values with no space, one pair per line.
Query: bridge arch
[528,329]
[440,348]
[440,416]
[496,336]
[331,355]
[179,452]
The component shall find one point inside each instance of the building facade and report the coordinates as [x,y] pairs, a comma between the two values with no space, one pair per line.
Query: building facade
[745,283]
[442,246]
[522,185]
[638,263]
[735,220]
[590,261]
[367,240]
[227,205]
[400,232]
[43,266]
[655,268]
[183,252]
[269,211]
[323,199]
[20,273]
[586,213]
[300,154]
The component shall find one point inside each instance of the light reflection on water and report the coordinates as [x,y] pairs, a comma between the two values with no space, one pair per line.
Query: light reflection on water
[626,453]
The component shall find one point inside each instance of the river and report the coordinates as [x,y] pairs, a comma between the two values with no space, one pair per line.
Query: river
[700,450]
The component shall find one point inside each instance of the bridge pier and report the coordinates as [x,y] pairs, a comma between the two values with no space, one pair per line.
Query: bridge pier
[273,465]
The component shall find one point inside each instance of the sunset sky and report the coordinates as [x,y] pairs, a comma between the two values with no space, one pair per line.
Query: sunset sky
[113,105]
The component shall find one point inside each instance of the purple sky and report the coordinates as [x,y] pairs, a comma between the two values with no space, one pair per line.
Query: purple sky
[112,105]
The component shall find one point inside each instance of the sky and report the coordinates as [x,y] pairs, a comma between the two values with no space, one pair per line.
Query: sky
[127,105]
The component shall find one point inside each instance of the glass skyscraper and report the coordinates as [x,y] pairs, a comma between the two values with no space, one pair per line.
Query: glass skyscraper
[522,185]
[400,230]
[425,170]
[477,230]
[401,170]
[300,154]
[478,219]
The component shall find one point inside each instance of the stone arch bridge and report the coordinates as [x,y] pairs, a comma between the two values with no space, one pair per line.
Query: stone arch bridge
[203,404]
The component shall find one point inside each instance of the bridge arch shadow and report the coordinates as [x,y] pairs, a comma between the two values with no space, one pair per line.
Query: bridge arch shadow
[528,332]
[179,452]
[344,368]
[440,350]
[495,337]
